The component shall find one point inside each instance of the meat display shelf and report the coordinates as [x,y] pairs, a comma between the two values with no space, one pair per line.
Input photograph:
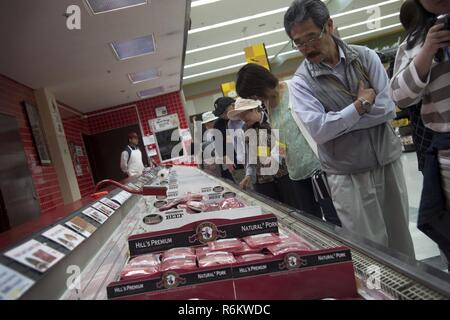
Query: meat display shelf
[101,259]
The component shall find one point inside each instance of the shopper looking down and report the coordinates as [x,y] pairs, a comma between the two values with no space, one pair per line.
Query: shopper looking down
[341,94]
[275,184]
[256,82]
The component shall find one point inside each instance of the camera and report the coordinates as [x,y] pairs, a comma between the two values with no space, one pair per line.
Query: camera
[445,19]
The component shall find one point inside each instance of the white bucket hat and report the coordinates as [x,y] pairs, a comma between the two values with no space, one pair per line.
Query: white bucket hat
[242,105]
[208,117]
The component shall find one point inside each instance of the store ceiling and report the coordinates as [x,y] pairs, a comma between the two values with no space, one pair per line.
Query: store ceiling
[79,66]
[203,64]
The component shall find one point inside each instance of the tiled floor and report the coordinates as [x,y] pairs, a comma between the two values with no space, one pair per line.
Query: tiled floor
[426,249]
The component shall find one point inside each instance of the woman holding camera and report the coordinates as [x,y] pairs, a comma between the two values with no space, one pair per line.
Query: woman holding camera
[422,72]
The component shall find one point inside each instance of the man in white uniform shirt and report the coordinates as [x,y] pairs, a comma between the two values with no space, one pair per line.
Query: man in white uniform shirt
[131,158]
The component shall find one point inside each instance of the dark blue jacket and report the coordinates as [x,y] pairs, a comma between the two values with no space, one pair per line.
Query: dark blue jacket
[434,218]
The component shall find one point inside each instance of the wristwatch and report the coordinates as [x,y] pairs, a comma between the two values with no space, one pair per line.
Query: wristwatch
[366,105]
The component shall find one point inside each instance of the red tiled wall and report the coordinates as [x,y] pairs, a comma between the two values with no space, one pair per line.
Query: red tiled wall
[74,127]
[127,116]
[12,94]
[173,103]
[112,120]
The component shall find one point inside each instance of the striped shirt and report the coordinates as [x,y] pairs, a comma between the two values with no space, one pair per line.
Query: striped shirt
[408,89]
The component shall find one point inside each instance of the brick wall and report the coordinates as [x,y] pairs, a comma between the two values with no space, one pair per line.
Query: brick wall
[75,125]
[12,94]
[122,115]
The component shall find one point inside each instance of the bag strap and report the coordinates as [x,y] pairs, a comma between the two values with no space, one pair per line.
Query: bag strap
[300,124]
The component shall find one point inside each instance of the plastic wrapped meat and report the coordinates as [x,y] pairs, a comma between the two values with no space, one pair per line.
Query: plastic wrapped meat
[229,245]
[147,260]
[188,263]
[134,273]
[261,241]
[202,251]
[230,203]
[216,259]
[183,200]
[288,246]
[179,253]
[246,250]
[251,257]
[198,206]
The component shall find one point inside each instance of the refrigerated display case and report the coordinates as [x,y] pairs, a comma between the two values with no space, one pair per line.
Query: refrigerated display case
[339,265]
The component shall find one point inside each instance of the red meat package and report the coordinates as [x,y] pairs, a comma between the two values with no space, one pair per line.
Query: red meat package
[261,241]
[216,259]
[188,263]
[251,257]
[288,246]
[230,203]
[178,253]
[202,251]
[229,245]
[133,273]
[183,200]
[146,260]
[246,250]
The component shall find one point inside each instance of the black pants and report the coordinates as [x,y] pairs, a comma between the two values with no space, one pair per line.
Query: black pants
[305,201]
[226,174]
[280,190]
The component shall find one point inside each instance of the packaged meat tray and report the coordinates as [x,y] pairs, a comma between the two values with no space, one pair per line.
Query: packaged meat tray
[288,246]
[202,251]
[178,264]
[229,245]
[261,241]
[230,203]
[146,260]
[135,273]
[246,250]
[216,259]
[179,252]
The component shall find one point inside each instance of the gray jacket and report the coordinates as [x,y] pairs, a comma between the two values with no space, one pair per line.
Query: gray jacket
[360,150]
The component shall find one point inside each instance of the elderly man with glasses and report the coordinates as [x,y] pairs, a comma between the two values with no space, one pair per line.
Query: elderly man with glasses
[341,95]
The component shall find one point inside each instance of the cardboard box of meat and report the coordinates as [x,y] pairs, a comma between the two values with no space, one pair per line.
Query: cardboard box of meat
[195,230]
[287,268]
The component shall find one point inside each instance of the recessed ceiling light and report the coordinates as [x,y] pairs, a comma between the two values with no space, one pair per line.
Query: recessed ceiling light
[103,6]
[134,48]
[202,2]
[146,75]
[150,92]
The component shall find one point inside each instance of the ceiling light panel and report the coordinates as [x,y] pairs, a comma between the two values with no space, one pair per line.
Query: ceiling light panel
[134,48]
[150,92]
[199,3]
[146,75]
[103,6]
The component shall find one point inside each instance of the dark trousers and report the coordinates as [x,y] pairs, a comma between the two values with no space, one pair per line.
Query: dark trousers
[226,174]
[280,190]
[306,201]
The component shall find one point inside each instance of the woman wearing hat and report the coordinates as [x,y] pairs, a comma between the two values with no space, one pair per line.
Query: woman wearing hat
[277,184]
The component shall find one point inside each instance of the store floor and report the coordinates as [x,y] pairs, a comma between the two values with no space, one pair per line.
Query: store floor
[426,250]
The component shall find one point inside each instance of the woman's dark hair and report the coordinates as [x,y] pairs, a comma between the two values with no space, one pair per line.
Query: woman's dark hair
[419,26]
[302,10]
[254,80]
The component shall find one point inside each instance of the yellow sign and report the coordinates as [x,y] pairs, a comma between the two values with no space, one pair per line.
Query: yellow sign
[257,54]
[229,89]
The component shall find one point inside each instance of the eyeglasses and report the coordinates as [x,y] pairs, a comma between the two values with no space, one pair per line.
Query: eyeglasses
[308,43]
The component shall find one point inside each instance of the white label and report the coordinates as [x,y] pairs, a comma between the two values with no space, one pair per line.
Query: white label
[12,284]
